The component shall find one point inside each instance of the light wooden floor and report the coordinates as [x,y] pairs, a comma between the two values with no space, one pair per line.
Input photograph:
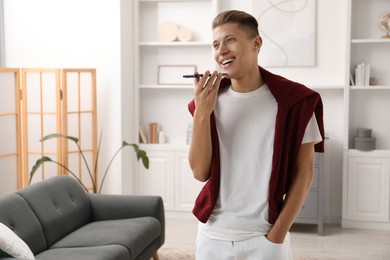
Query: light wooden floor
[337,243]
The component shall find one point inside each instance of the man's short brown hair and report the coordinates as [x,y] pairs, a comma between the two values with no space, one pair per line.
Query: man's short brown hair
[243,19]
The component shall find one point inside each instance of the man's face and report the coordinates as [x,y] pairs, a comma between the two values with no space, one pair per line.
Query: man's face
[234,50]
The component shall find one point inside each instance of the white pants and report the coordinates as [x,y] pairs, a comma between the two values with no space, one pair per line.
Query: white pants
[258,248]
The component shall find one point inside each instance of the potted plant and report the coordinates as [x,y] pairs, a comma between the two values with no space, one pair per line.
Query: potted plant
[141,154]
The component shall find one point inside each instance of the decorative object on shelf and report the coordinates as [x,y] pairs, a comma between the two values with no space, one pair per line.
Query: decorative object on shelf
[288,29]
[167,31]
[362,74]
[384,24]
[184,34]
[373,81]
[141,154]
[153,133]
[161,137]
[172,74]
[170,31]
[363,139]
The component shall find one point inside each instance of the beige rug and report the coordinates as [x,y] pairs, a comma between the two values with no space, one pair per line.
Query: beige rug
[176,254]
[189,254]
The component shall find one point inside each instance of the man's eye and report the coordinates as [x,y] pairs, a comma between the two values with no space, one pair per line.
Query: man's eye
[216,46]
[229,40]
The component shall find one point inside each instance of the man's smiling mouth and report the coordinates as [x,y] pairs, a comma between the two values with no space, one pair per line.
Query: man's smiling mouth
[224,62]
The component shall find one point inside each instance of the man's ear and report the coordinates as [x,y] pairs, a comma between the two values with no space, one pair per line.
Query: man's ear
[258,42]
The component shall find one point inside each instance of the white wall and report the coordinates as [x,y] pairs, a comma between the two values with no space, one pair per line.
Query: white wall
[1,35]
[129,127]
[73,34]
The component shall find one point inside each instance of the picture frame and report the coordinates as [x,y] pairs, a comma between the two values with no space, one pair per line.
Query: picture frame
[173,74]
[288,31]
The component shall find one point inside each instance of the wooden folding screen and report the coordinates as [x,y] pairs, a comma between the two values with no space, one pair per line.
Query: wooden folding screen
[41,115]
[79,120]
[53,101]
[10,133]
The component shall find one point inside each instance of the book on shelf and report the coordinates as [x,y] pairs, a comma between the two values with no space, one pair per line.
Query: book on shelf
[351,80]
[142,134]
[362,74]
[153,133]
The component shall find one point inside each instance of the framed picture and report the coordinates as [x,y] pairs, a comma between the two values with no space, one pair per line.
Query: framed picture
[173,74]
[288,29]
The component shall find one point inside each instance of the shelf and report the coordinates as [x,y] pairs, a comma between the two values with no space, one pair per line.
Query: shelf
[165,147]
[169,44]
[370,41]
[162,1]
[156,87]
[373,153]
[370,87]
[326,87]
[315,87]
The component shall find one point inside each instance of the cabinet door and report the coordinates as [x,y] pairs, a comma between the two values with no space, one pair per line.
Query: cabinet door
[368,189]
[309,209]
[187,187]
[158,179]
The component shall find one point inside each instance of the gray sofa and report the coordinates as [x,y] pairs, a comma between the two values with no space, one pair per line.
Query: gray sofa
[58,220]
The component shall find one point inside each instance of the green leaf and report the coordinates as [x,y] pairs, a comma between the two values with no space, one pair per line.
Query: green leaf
[38,164]
[50,136]
[145,161]
[135,147]
[141,154]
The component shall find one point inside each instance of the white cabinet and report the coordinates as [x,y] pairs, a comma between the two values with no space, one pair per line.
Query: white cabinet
[368,188]
[159,178]
[170,177]
[366,197]
[312,210]
[187,187]
[366,192]
[162,94]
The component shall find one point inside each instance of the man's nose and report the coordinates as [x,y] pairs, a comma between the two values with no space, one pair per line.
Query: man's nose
[223,49]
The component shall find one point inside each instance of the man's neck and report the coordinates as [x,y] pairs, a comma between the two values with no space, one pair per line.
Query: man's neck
[249,82]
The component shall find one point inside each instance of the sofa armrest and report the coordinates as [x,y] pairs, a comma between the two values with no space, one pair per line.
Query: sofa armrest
[110,207]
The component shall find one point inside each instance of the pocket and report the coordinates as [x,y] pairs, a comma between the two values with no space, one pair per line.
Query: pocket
[269,241]
[274,251]
[272,244]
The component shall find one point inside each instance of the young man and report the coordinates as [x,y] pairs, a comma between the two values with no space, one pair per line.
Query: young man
[253,143]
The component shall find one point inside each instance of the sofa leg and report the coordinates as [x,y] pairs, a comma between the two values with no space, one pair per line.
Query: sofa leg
[155,257]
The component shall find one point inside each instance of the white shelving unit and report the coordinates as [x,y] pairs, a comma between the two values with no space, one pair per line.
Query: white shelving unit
[166,104]
[365,200]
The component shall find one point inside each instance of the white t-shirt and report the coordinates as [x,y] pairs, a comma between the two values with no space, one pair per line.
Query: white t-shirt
[246,130]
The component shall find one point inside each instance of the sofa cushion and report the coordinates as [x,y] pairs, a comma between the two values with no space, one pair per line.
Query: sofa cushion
[134,234]
[60,204]
[12,245]
[17,215]
[112,252]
